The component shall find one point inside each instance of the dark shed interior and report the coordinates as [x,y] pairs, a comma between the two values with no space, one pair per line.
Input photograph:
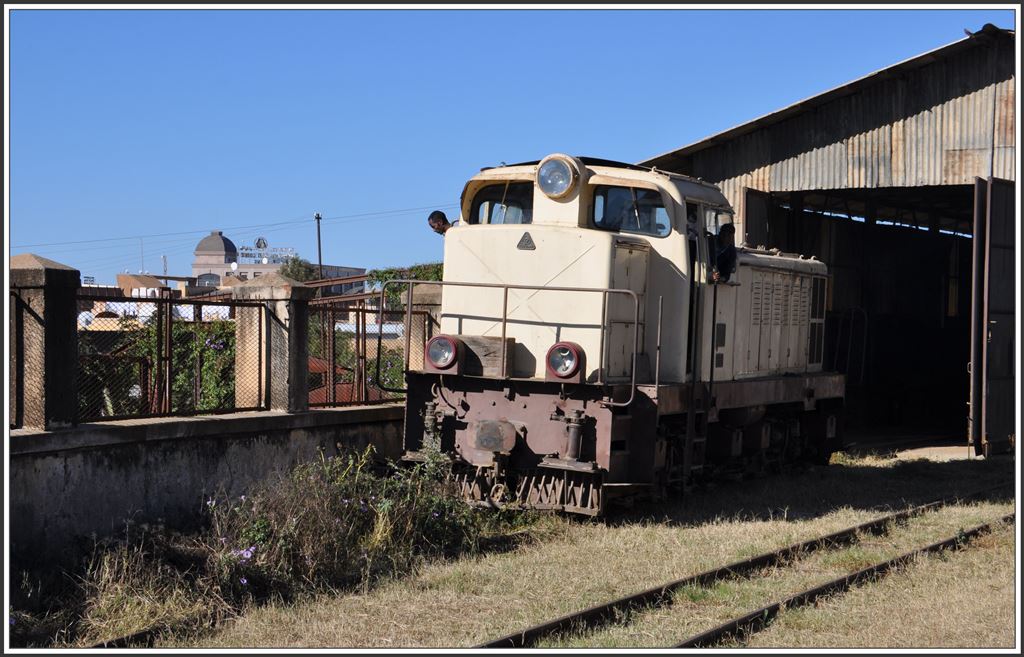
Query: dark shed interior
[899,298]
[886,179]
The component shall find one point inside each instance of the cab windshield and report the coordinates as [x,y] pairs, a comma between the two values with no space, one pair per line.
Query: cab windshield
[630,210]
[503,203]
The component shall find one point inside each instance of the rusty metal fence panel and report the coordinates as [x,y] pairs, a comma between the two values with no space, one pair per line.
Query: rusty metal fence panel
[146,357]
[343,352]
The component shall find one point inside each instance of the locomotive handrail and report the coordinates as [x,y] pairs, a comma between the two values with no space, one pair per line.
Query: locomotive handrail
[504,322]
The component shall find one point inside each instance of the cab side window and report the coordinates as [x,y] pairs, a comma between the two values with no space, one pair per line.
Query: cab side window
[721,233]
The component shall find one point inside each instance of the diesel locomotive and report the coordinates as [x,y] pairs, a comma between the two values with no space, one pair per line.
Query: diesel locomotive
[589,345]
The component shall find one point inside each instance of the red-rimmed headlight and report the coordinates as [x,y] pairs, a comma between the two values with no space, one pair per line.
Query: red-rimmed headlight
[442,351]
[564,359]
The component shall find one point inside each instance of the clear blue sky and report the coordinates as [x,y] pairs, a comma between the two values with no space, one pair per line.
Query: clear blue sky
[129,123]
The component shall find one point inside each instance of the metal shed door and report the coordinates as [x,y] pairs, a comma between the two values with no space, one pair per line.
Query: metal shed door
[993,309]
[755,218]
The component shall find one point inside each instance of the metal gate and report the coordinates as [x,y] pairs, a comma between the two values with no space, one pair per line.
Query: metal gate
[991,425]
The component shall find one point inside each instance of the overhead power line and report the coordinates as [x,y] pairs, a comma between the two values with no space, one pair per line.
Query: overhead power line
[249,226]
[180,246]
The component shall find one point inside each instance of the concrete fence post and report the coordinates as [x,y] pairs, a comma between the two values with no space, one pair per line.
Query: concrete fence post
[44,342]
[274,343]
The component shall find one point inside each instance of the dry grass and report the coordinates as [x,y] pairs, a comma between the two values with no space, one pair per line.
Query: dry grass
[697,610]
[468,601]
[960,600]
[328,525]
[465,602]
[127,591]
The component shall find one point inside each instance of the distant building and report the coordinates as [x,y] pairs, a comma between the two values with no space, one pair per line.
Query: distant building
[141,286]
[217,260]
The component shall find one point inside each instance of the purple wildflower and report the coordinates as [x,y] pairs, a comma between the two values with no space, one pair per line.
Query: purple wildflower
[247,554]
[243,581]
[10,620]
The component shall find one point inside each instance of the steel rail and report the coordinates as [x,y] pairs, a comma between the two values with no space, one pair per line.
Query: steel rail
[761,618]
[660,595]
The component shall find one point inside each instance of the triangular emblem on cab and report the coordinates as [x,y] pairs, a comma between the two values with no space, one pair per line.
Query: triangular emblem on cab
[526,243]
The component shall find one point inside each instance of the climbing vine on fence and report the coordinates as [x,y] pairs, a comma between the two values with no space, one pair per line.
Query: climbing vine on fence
[119,372]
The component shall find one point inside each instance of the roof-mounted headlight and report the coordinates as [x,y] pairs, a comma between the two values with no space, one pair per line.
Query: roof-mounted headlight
[557,176]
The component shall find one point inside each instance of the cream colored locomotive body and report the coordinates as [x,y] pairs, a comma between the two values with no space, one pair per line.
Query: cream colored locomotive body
[765,312]
[585,349]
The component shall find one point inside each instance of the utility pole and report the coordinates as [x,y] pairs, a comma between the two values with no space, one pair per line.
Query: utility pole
[164,258]
[142,256]
[319,255]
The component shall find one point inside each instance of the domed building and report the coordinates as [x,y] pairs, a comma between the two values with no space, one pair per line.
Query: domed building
[213,257]
[218,262]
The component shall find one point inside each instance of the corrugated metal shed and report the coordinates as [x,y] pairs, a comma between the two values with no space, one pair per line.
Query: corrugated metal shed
[941,118]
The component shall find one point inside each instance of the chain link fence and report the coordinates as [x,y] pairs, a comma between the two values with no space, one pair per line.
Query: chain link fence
[147,357]
[158,356]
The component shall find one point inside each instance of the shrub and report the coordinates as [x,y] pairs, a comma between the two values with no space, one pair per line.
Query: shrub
[428,271]
[118,369]
[336,523]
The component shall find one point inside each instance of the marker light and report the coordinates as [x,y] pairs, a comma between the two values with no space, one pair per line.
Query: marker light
[441,351]
[563,359]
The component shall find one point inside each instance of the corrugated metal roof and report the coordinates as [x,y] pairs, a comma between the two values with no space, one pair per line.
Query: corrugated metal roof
[989,32]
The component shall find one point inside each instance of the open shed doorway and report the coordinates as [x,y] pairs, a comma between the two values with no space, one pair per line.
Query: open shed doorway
[898,320]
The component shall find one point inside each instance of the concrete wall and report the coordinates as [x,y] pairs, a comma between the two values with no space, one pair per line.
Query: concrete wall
[69,484]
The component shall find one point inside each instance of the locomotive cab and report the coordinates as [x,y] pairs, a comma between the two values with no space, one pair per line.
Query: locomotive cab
[595,228]
[570,365]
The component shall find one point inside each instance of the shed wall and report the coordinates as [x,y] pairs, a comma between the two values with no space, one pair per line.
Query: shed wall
[940,124]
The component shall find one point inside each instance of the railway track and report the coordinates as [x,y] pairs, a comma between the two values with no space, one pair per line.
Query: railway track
[760,618]
[661,595]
